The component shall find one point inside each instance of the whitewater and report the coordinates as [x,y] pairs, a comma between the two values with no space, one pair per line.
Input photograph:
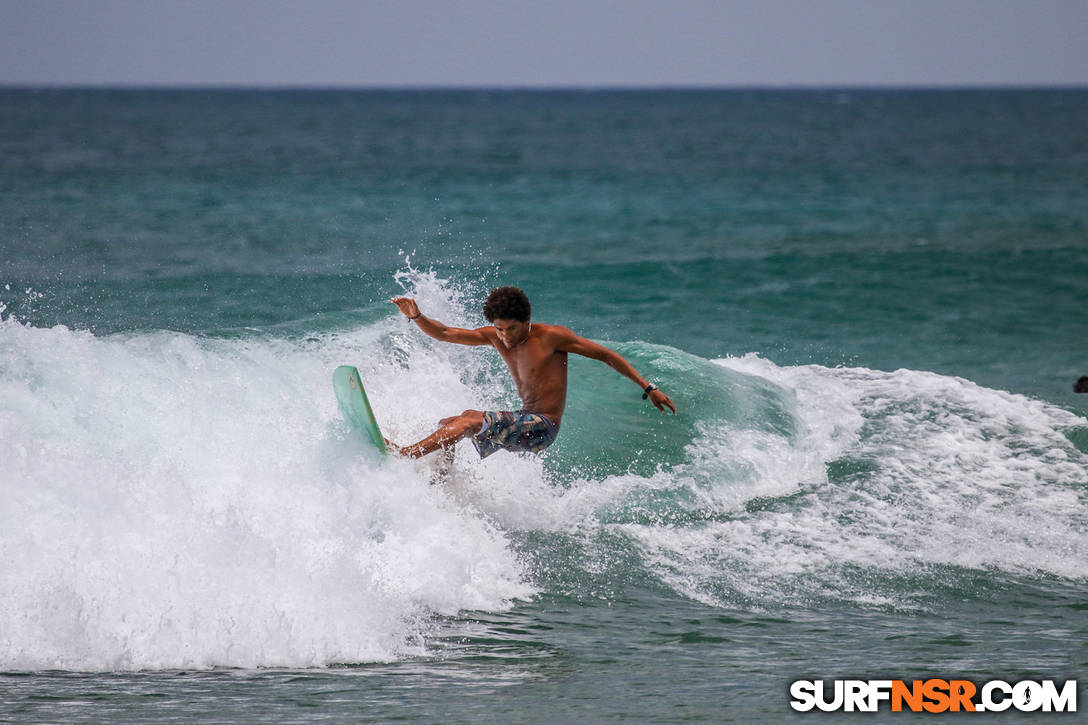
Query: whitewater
[174,501]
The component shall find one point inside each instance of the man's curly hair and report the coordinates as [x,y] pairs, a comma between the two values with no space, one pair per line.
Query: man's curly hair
[507,303]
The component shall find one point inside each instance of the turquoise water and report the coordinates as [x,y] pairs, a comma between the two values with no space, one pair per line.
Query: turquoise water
[867,306]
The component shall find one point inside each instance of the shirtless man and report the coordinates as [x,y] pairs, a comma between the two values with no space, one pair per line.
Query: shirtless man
[537,358]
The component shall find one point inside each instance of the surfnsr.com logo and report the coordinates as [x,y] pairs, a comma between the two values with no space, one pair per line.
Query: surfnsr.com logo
[933,695]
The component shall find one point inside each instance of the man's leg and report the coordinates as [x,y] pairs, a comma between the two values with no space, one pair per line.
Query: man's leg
[452,430]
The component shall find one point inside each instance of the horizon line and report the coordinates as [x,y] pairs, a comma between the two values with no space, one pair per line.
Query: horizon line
[513,87]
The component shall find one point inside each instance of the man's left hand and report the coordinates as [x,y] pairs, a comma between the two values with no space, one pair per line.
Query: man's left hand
[661,401]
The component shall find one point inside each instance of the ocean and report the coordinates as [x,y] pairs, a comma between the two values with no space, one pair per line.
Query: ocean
[867,305]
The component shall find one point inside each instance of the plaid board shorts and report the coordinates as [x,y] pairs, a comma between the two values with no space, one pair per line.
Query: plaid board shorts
[520,431]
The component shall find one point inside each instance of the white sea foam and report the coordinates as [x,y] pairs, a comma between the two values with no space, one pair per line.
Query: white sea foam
[947,473]
[931,471]
[169,501]
[173,502]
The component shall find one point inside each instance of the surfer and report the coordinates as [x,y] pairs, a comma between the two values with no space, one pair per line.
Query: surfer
[537,357]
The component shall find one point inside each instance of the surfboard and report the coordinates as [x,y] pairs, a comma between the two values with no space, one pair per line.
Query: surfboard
[355,406]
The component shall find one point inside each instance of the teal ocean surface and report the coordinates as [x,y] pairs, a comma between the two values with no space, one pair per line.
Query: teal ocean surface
[868,306]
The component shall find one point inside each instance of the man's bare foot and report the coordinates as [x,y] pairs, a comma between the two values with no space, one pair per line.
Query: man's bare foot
[393,447]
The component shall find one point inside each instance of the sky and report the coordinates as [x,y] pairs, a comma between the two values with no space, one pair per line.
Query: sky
[544,43]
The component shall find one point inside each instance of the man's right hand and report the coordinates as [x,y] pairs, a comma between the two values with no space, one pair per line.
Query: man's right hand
[407,305]
[436,329]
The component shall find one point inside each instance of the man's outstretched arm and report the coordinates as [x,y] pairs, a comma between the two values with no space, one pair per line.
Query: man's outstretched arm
[567,341]
[436,329]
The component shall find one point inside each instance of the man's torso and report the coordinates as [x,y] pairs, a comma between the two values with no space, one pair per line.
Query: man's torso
[539,371]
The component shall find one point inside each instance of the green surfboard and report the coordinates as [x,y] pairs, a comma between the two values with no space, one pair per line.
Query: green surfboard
[354,404]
